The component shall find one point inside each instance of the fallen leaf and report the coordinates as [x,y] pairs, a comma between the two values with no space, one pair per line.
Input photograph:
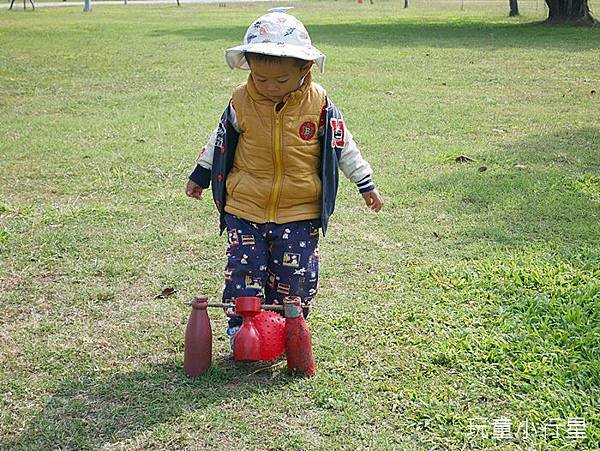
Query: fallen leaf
[141,140]
[520,166]
[463,159]
[435,234]
[499,131]
[389,93]
[166,293]
[482,169]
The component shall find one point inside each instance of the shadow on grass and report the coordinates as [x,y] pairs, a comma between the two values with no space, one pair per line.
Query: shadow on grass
[545,188]
[93,411]
[403,33]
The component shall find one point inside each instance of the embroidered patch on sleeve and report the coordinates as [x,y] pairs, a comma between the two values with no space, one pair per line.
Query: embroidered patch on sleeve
[220,138]
[338,136]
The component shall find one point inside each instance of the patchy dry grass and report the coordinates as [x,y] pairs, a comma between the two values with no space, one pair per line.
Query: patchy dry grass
[473,297]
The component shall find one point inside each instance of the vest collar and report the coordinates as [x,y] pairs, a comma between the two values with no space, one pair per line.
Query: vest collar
[291,98]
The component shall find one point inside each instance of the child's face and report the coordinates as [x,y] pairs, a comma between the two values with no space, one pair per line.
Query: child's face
[275,80]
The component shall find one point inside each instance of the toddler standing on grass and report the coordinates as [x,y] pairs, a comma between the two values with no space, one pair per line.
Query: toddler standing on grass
[273,163]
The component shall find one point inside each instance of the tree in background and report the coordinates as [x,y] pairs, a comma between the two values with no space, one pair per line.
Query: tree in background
[514,8]
[570,11]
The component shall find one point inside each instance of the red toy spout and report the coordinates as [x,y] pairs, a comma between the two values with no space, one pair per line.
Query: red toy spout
[197,355]
[247,341]
[298,342]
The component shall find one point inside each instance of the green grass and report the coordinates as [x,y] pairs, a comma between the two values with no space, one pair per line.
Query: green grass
[474,294]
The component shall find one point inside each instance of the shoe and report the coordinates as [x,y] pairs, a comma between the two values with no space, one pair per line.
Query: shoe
[231,331]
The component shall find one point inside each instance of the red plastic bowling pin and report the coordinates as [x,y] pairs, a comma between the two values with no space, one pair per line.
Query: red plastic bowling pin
[298,343]
[197,354]
[247,341]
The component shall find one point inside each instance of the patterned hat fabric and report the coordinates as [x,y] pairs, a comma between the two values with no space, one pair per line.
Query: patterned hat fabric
[277,34]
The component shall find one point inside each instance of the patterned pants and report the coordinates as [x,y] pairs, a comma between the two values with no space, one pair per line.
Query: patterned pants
[271,261]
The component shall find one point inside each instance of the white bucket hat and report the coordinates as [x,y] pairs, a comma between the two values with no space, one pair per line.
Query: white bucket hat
[277,34]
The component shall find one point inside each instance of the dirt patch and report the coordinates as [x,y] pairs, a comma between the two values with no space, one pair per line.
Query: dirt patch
[8,284]
[16,281]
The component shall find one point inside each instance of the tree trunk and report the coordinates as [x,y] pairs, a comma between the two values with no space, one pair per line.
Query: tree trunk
[514,8]
[405,4]
[570,11]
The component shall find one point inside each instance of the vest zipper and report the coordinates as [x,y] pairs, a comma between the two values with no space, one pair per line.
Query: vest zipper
[278,161]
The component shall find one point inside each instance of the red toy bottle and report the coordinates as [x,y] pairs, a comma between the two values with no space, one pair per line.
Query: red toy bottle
[298,342]
[197,354]
[247,341]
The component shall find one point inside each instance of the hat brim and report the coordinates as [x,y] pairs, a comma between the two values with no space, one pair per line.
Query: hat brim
[236,60]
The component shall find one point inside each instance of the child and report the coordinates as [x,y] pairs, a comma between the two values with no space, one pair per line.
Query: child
[273,162]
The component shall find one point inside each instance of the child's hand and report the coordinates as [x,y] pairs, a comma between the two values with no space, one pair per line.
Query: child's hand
[373,200]
[194,190]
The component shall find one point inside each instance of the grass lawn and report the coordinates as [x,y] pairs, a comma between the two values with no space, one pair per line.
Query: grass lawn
[470,305]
